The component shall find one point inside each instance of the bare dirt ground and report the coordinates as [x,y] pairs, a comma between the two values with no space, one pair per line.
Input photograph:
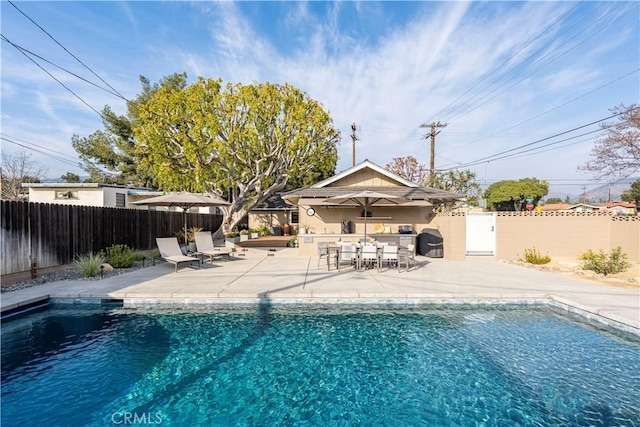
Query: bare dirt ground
[573,267]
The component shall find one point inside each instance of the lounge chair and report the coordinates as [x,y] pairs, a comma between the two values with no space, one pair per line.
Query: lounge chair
[170,252]
[205,246]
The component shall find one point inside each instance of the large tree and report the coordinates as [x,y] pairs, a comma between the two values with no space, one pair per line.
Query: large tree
[459,182]
[618,153]
[633,194]
[19,168]
[512,195]
[109,155]
[408,168]
[245,142]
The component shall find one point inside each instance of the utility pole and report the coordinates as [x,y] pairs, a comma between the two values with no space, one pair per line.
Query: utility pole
[433,126]
[354,138]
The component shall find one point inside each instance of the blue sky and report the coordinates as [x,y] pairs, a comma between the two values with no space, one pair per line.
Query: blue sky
[501,74]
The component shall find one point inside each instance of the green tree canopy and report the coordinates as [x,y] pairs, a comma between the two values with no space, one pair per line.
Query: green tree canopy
[633,194]
[245,142]
[512,195]
[459,182]
[109,155]
[70,177]
[553,200]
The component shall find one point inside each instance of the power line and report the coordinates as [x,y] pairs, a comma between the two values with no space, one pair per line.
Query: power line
[23,50]
[494,156]
[462,114]
[54,78]
[487,75]
[544,113]
[44,153]
[66,50]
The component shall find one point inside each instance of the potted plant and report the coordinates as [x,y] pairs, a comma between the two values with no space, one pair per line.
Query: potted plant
[232,237]
[254,233]
[263,230]
[304,229]
[244,235]
[191,237]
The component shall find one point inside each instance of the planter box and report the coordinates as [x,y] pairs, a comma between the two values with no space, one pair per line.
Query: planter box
[254,235]
[232,240]
[244,237]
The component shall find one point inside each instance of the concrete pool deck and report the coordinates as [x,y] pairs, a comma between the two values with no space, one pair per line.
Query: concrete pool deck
[284,277]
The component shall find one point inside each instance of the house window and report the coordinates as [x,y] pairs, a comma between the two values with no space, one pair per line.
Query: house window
[66,194]
[294,217]
[120,200]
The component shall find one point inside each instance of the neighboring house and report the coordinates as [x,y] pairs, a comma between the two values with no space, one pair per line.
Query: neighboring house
[88,194]
[585,207]
[619,208]
[616,208]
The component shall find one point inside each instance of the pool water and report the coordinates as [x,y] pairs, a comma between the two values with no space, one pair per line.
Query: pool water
[316,367]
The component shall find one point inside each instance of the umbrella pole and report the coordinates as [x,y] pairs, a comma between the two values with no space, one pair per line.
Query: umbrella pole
[186,241]
[365,222]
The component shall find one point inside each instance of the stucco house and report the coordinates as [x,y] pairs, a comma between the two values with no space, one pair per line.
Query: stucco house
[88,194]
[399,223]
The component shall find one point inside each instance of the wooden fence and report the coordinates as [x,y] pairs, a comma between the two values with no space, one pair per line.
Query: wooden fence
[53,235]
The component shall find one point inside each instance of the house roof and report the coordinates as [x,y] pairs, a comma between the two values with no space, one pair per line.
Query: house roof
[586,205]
[273,203]
[364,165]
[555,206]
[405,188]
[629,205]
[56,185]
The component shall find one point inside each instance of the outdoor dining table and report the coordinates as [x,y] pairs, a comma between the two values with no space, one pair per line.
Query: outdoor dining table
[333,255]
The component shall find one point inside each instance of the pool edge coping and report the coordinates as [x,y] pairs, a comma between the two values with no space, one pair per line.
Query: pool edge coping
[552,301]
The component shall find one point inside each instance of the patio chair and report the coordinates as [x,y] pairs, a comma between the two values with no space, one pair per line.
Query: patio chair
[170,252]
[323,251]
[205,246]
[349,254]
[389,256]
[369,256]
[406,256]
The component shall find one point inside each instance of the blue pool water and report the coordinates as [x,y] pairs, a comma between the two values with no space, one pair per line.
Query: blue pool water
[315,367]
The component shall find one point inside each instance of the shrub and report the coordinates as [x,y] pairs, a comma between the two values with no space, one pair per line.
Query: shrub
[601,263]
[244,232]
[263,230]
[232,234]
[533,256]
[191,233]
[88,265]
[119,256]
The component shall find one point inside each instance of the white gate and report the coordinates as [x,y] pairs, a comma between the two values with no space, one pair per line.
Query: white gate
[481,233]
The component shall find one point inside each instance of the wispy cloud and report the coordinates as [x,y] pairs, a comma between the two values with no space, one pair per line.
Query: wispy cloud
[388,67]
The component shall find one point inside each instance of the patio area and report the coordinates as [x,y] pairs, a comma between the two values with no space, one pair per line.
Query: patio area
[280,276]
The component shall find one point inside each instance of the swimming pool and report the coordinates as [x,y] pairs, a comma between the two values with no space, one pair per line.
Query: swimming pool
[316,367]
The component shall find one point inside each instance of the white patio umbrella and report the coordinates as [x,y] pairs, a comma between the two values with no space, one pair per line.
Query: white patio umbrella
[365,199]
[185,201]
